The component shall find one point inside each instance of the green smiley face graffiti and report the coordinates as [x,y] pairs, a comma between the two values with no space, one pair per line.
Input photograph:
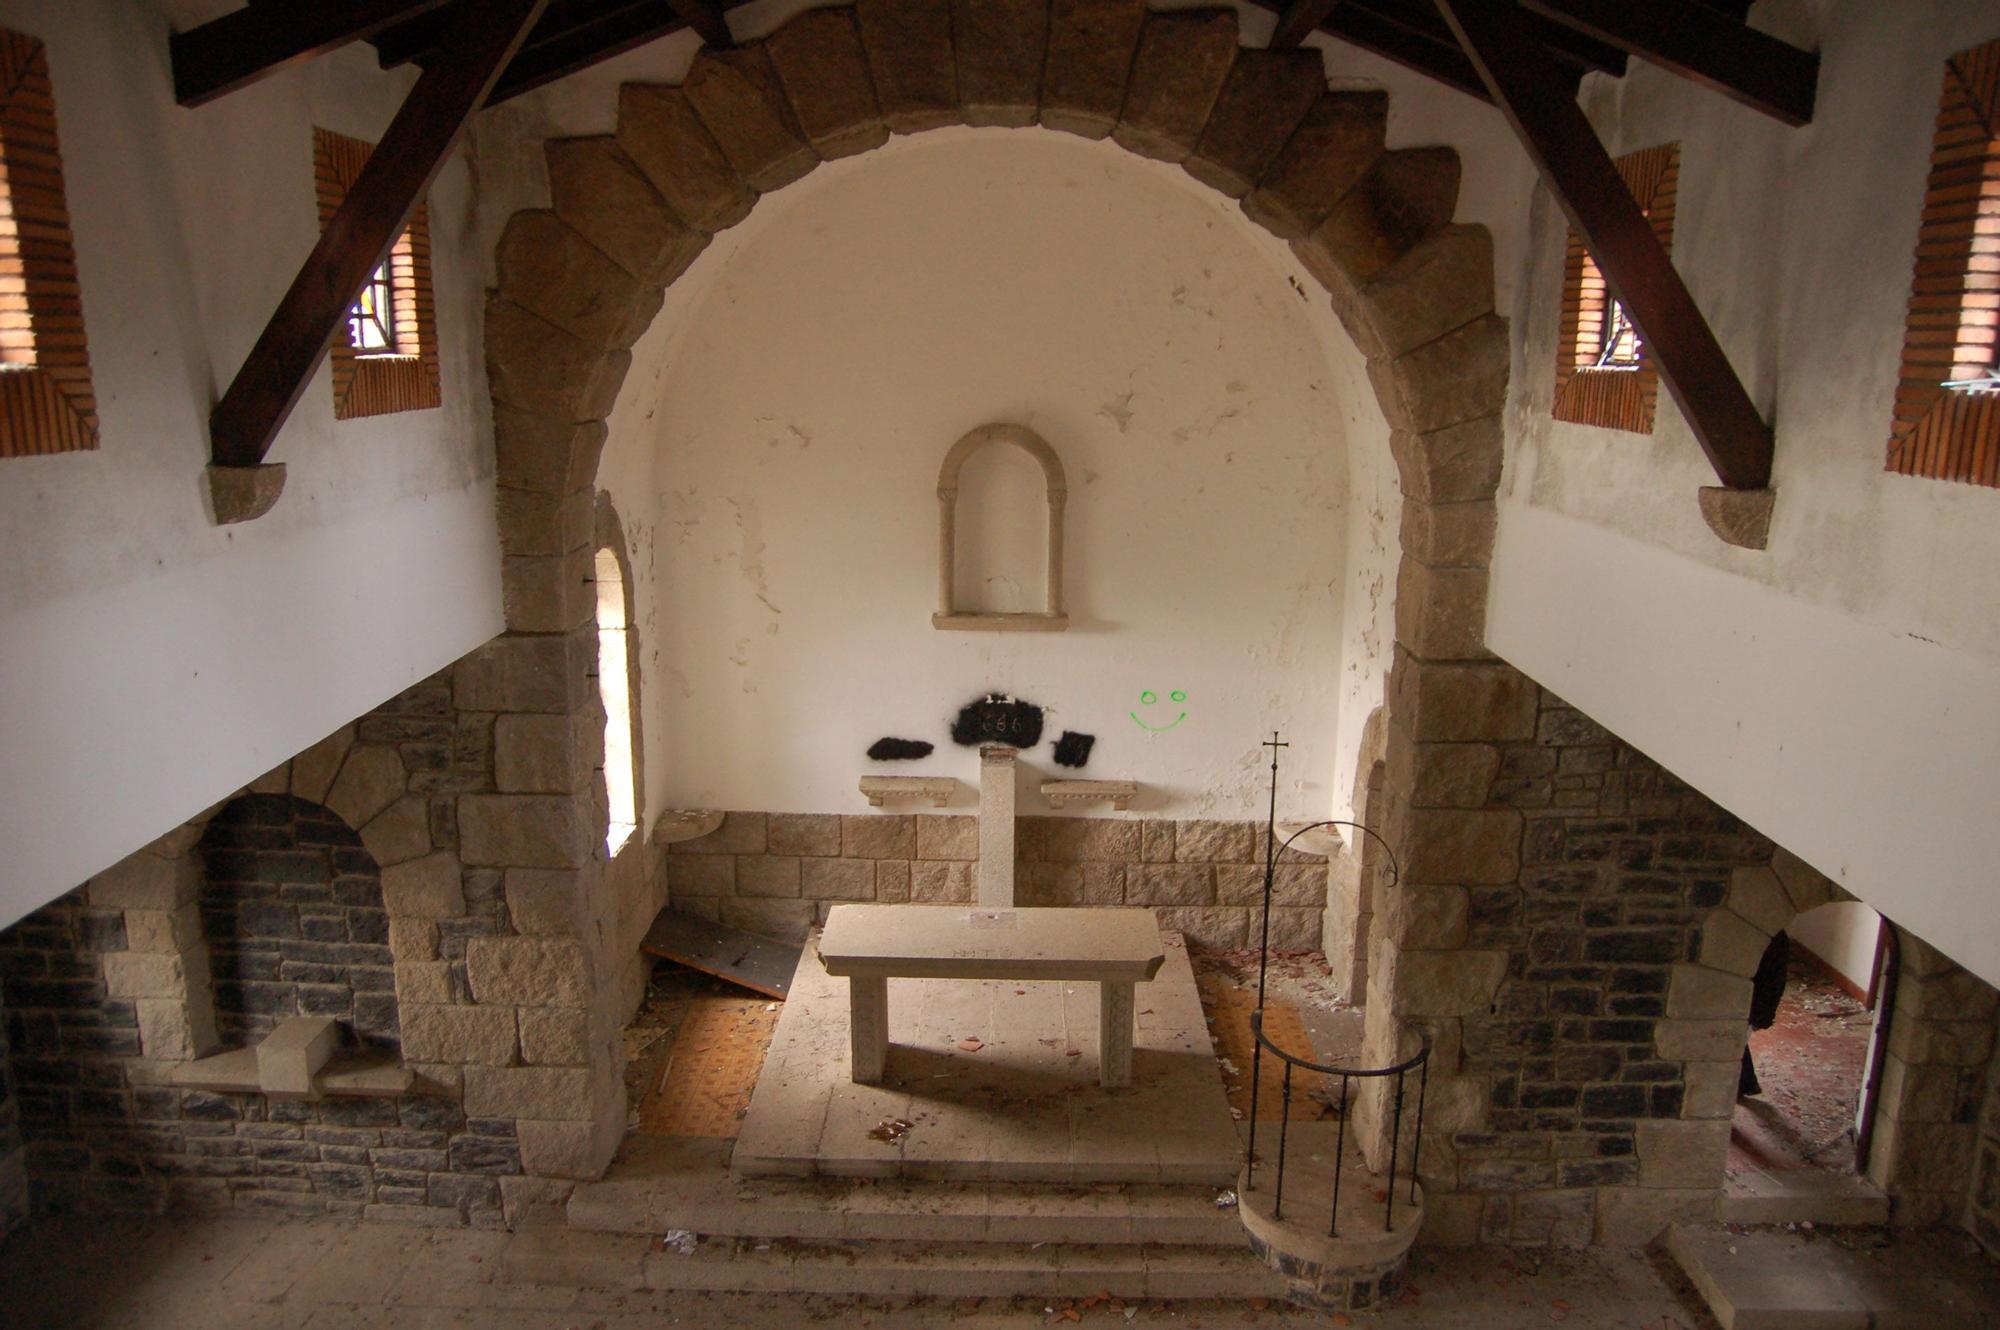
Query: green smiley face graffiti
[1149,698]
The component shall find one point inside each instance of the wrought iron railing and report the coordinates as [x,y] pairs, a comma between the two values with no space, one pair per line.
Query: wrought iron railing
[1419,1062]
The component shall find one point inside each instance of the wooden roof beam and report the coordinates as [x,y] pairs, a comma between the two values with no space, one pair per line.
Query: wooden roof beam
[254,42]
[1298,20]
[615,33]
[1526,87]
[483,38]
[1700,44]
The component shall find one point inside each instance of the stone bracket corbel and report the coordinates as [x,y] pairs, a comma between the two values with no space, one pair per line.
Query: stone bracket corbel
[244,493]
[1738,517]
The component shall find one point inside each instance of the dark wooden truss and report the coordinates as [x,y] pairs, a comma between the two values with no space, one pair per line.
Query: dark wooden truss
[1524,56]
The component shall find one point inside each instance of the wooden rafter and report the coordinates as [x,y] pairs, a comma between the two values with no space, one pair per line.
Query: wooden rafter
[612,34]
[254,42]
[483,38]
[1298,20]
[1525,85]
[1577,52]
[1357,26]
[1700,44]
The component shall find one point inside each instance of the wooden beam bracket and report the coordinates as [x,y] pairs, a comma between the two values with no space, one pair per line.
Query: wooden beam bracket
[1530,93]
[258,40]
[1702,45]
[484,36]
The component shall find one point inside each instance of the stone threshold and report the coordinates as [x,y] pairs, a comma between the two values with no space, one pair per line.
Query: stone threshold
[1773,1279]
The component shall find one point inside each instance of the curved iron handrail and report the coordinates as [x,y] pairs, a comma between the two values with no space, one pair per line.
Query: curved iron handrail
[1419,1062]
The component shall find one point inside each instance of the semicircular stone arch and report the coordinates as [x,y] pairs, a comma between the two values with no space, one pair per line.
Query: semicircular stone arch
[581,280]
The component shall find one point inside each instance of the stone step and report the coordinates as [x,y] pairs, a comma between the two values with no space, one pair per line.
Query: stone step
[887,1269]
[1773,1279]
[663,1184]
[1757,1197]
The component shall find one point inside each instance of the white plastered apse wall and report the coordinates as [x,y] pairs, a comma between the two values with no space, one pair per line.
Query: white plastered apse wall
[778,443]
[1841,690]
[155,662]
[1496,184]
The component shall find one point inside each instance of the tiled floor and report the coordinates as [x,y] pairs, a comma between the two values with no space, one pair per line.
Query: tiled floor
[993,1079]
[244,1272]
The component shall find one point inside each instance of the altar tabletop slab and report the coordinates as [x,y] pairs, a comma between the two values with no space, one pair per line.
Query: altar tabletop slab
[952,941]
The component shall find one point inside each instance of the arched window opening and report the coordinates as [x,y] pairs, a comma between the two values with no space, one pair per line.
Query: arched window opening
[614,685]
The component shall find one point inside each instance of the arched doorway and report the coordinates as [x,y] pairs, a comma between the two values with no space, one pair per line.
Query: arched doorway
[1817,1022]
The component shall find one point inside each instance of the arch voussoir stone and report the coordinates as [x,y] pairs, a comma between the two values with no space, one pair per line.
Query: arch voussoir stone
[1177,74]
[1441,284]
[1326,156]
[739,98]
[1459,377]
[1403,197]
[549,269]
[541,369]
[1266,96]
[908,43]
[545,455]
[603,195]
[1000,47]
[1091,45]
[663,134]
[819,60]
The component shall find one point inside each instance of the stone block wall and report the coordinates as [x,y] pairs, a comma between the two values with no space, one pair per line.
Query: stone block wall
[105,1129]
[503,975]
[291,908]
[779,873]
[1553,880]
[13,1151]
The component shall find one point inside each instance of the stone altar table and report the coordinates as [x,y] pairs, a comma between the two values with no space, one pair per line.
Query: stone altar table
[870,944]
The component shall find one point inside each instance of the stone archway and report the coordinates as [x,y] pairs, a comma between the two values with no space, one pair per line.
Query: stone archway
[1940,1036]
[580,281]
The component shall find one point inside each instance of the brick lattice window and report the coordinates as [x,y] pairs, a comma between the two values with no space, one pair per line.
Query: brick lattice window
[1947,421]
[46,401]
[1603,374]
[385,357]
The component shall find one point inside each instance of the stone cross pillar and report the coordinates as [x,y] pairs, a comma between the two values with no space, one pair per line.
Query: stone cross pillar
[996,827]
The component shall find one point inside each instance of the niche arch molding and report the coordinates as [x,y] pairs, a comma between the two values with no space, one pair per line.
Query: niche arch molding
[1055,489]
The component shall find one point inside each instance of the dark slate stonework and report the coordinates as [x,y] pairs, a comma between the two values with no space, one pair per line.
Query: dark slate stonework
[292,910]
[1620,864]
[94,1140]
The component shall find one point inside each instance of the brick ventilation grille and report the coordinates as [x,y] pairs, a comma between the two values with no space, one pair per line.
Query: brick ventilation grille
[375,385]
[1955,288]
[1611,398]
[47,404]
[293,913]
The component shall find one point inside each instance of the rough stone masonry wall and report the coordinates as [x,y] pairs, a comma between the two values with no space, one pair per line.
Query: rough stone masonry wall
[579,282]
[13,1152]
[1576,930]
[778,873]
[1535,935]
[495,972]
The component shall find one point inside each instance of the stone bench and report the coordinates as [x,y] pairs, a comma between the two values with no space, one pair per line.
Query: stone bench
[871,944]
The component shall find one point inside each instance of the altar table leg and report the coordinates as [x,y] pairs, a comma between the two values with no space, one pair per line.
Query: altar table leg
[1114,1034]
[868,1025]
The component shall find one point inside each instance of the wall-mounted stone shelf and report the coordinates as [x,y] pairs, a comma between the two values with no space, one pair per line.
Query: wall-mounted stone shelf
[679,824]
[1030,622]
[1325,842]
[936,790]
[1064,793]
[297,1061]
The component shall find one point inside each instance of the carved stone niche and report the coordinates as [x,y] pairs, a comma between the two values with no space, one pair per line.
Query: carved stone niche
[1050,619]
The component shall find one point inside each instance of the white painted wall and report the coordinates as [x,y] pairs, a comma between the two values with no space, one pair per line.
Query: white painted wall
[153,661]
[1496,186]
[1841,690]
[778,442]
[1845,935]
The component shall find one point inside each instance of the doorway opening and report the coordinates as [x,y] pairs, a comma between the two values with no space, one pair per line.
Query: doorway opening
[1818,1030]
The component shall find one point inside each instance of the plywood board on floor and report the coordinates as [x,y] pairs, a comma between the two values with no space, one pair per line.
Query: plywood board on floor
[757,963]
